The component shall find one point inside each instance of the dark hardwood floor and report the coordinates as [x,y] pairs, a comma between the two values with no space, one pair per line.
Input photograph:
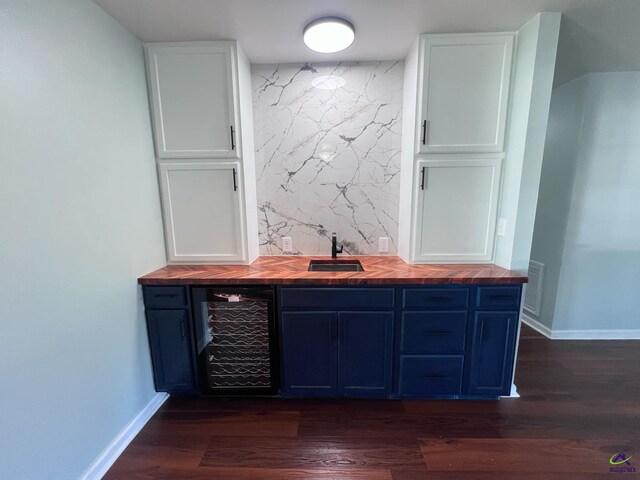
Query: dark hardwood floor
[579,405]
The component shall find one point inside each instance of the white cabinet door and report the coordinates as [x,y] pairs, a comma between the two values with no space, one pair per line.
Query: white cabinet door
[464,93]
[203,215]
[456,210]
[192,98]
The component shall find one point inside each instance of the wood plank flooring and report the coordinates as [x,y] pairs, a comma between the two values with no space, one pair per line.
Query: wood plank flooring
[579,405]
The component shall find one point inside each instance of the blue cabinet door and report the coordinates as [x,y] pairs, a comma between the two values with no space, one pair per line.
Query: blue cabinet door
[365,353]
[489,365]
[309,353]
[171,351]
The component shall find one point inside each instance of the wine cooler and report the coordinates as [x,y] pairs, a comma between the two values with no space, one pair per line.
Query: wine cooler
[236,340]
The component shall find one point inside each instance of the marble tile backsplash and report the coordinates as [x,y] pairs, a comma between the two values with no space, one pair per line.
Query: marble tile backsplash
[327,155]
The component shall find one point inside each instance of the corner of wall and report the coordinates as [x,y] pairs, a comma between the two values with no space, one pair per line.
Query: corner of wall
[248,153]
[409,105]
[530,98]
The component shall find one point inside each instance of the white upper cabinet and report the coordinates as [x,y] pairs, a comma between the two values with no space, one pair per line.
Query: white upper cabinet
[456,210]
[193,99]
[463,93]
[203,212]
[200,96]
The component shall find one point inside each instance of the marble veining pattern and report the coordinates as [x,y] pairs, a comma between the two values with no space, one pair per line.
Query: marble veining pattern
[328,159]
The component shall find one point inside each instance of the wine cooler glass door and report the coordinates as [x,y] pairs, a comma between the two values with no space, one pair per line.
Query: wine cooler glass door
[236,341]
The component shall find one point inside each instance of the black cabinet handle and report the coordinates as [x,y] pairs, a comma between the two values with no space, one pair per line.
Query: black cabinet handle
[424,132]
[166,295]
[436,298]
[235,181]
[233,138]
[501,297]
[433,377]
[182,332]
[422,179]
[435,333]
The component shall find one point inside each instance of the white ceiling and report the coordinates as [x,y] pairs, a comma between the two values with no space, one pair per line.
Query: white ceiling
[596,35]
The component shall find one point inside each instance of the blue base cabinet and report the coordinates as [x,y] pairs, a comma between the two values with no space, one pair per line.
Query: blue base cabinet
[170,339]
[336,341]
[492,340]
[451,341]
[457,341]
[407,341]
[431,341]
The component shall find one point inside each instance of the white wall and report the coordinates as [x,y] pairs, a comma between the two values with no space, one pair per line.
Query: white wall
[599,286]
[80,221]
[535,57]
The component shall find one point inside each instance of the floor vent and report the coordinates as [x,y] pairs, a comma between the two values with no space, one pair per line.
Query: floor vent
[533,291]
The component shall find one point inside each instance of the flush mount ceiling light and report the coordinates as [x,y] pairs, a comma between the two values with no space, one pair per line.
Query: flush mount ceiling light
[328,35]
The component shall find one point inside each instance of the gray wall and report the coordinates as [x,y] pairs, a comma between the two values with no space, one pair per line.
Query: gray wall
[556,183]
[598,278]
[80,221]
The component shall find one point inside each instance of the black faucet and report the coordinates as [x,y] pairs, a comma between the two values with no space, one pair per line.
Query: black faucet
[335,249]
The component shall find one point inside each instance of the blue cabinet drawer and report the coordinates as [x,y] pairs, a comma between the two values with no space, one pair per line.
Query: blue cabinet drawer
[337,298]
[498,297]
[430,375]
[433,332]
[435,298]
[165,297]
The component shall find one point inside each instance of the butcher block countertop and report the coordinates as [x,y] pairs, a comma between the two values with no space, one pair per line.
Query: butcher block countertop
[292,270]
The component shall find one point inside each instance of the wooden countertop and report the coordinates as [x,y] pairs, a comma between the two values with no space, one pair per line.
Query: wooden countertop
[292,270]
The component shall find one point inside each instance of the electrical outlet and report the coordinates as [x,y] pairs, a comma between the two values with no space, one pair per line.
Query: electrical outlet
[383,245]
[287,245]
[501,230]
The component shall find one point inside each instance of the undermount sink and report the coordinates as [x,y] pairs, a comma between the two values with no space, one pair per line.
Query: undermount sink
[335,266]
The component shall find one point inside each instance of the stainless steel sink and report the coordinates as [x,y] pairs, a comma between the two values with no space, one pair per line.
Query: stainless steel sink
[335,266]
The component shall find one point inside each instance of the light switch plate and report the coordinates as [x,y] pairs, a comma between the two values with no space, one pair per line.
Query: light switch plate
[501,230]
[383,245]
[287,245]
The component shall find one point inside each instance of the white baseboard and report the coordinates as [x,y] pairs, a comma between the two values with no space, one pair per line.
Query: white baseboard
[536,325]
[110,454]
[595,335]
[514,392]
[580,334]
